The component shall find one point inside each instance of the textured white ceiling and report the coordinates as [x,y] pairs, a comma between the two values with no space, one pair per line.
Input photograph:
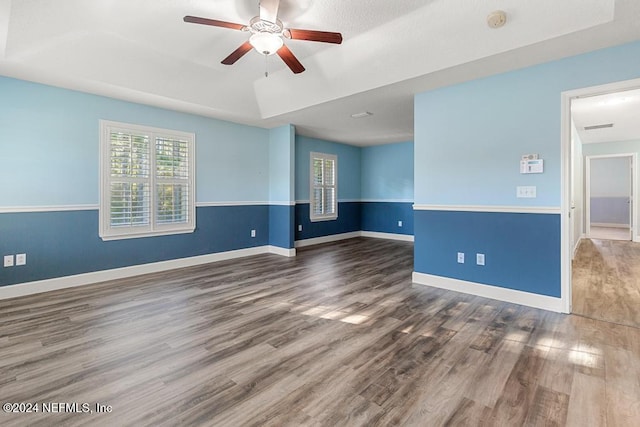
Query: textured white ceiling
[621,108]
[142,51]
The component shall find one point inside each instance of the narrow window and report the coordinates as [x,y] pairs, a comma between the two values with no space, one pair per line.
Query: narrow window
[324,187]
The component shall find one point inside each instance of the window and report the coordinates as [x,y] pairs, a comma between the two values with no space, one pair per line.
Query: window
[147,181]
[324,187]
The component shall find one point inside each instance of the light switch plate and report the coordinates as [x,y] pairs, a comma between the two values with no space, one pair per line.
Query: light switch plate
[460,257]
[480,259]
[528,192]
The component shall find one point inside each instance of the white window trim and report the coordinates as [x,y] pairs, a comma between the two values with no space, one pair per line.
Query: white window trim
[106,232]
[324,217]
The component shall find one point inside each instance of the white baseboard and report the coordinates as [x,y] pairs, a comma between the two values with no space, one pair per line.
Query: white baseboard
[487,291]
[391,236]
[326,239]
[575,248]
[28,288]
[282,251]
[343,236]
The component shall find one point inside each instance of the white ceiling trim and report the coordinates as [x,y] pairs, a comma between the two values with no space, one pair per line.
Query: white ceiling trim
[5,13]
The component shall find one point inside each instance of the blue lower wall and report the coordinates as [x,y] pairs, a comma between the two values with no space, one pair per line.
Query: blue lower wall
[383,217]
[522,250]
[281,223]
[348,221]
[64,243]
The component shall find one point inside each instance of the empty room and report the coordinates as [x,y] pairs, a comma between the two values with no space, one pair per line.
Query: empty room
[327,213]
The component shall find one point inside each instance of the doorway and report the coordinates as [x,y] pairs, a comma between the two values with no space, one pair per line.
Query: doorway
[594,145]
[609,202]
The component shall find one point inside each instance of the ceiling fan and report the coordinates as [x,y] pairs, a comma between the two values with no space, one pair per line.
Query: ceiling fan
[267,34]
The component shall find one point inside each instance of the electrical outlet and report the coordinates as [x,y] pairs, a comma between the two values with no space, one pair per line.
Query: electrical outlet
[480,259]
[300,227]
[21,259]
[8,260]
[253,233]
[399,223]
[460,257]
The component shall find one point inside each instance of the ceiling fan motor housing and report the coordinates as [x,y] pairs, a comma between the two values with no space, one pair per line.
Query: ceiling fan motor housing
[257,25]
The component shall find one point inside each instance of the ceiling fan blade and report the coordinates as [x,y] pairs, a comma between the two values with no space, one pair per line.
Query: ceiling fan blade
[314,36]
[269,10]
[290,59]
[213,22]
[237,54]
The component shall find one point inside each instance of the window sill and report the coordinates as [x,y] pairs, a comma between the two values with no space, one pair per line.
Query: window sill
[331,218]
[109,237]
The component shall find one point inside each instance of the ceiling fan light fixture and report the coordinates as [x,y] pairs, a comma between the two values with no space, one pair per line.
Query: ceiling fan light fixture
[266,43]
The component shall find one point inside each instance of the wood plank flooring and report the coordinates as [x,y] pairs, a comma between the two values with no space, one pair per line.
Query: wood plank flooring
[337,336]
[606,281]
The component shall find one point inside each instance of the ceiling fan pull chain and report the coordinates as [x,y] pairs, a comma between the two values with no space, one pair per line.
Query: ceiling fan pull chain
[266,67]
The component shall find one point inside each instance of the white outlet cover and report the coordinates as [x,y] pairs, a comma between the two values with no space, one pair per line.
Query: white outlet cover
[399,223]
[480,259]
[460,257]
[21,259]
[8,260]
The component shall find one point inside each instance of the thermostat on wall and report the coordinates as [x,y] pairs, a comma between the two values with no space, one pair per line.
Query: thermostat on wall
[529,157]
[532,166]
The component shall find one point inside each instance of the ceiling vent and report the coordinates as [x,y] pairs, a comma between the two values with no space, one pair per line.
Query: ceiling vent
[594,127]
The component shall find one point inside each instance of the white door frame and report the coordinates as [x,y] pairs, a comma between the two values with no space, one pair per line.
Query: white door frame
[633,196]
[565,171]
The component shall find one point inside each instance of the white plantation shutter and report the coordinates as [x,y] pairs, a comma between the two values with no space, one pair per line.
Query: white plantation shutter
[147,179]
[172,180]
[324,188]
[129,188]
[329,194]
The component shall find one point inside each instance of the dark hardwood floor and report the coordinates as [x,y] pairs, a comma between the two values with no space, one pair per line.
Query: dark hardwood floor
[337,336]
